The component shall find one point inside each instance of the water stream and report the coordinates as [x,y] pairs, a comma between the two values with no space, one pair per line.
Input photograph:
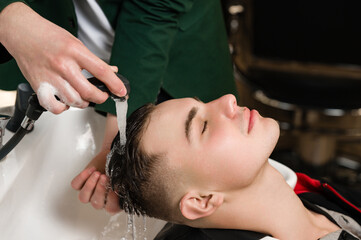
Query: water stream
[135,228]
[125,227]
[122,108]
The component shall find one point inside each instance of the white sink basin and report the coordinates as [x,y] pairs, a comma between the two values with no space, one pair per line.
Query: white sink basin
[36,199]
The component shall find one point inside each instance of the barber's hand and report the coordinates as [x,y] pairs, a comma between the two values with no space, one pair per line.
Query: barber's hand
[93,187]
[52,59]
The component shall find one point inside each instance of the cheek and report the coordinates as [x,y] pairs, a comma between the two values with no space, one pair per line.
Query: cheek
[227,155]
[224,141]
[235,159]
[232,145]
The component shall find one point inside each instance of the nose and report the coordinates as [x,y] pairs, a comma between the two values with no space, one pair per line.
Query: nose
[228,105]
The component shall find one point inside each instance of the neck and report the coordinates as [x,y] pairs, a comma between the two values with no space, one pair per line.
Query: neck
[269,205]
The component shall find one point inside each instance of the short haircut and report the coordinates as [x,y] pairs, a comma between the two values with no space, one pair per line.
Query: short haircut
[135,175]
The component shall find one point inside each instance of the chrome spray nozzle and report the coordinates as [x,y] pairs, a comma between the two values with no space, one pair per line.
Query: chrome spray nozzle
[101,86]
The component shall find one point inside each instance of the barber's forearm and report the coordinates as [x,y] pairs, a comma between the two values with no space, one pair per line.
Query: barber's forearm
[5,3]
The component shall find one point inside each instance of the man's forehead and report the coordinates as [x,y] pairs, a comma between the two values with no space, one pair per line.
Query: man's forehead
[166,122]
[172,109]
[178,101]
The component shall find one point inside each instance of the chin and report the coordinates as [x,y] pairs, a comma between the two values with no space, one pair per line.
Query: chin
[273,133]
[276,127]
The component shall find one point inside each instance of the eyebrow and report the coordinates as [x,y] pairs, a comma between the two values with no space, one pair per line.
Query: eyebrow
[188,124]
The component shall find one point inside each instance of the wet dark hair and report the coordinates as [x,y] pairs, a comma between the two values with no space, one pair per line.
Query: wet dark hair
[133,172]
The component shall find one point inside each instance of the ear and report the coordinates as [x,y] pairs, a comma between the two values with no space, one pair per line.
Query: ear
[194,205]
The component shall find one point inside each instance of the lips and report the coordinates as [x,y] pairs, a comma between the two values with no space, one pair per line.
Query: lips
[252,119]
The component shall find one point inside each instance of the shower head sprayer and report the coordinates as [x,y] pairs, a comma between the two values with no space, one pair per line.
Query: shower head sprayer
[34,110]
[101,86]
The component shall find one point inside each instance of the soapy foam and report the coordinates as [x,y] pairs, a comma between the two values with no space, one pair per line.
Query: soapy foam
[46,93]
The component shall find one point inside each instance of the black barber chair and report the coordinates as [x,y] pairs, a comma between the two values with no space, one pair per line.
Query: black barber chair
[299,62]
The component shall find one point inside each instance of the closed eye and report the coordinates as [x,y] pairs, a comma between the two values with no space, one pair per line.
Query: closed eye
[205,126]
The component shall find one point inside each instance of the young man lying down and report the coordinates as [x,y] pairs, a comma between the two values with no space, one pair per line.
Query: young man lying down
[205,165]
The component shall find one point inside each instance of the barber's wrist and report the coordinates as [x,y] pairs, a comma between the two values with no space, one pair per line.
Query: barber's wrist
[9,13]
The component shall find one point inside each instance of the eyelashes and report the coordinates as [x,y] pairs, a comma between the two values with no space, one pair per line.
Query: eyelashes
[204,126]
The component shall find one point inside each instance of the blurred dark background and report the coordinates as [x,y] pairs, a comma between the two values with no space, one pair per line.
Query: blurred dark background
[299,62]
